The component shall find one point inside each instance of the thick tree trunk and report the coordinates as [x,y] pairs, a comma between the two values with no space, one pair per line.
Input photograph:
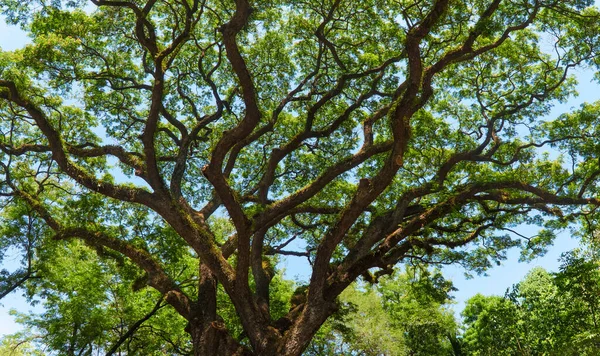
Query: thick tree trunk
[213,339]
[300,334]
[209,335]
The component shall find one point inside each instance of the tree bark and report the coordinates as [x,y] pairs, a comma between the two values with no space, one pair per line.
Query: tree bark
[210,336]
[213,339]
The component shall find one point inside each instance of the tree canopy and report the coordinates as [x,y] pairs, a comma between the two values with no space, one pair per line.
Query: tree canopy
[167,154]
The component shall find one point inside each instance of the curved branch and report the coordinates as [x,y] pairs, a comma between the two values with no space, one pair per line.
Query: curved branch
[157,277]
[58,150]
[135,327]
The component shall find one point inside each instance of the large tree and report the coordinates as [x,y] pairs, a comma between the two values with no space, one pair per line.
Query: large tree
[357,134]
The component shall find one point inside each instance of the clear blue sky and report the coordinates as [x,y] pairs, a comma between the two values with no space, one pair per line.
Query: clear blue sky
[498,279]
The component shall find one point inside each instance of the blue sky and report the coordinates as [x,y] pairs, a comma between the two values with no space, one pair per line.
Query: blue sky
[496,282]
[11,38]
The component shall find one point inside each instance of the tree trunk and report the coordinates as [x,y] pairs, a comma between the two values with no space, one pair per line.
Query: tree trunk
[297,338]
[213,339]
[210,336]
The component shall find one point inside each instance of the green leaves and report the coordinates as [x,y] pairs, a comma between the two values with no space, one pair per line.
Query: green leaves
[89,304]
[405,314]
[546,313]
[192,144]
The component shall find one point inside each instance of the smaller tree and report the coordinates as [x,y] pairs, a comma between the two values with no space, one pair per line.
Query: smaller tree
[93,305]
[404,314]
[545,314]
[14,346]
[491,326]
[578,282]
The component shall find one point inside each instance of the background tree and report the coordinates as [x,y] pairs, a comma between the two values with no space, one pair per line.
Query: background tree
[493,327]
[405,314]
[546,313]
[12,346]
[90,308]
[372,132]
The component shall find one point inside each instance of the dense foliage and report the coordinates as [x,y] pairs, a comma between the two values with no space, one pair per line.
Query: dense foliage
[406,314]
[159,157]
[545,314]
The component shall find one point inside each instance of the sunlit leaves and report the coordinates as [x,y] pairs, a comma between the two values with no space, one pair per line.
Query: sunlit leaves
[552,313]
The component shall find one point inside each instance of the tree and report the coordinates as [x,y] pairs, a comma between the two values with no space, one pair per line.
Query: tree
[545,314]
[90,308]
[578,282]
[10,347]
[370,132]
[405,314]
[491,327]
